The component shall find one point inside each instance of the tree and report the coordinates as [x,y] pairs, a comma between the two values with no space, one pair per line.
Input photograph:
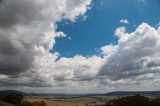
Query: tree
[136,100]
[14,98]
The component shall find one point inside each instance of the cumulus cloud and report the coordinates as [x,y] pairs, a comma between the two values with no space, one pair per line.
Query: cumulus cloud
[121,34]
[124,21]
[134,60]
[135,56]
[28,32]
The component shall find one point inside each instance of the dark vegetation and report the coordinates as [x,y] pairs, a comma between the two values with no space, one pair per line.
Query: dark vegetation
[16,98]
[39,103]
[136,100]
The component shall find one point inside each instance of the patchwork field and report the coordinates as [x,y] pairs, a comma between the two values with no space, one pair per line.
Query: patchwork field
[57,103]
[69,101]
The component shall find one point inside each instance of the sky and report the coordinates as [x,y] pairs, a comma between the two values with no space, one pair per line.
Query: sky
[79,46]
[102,20]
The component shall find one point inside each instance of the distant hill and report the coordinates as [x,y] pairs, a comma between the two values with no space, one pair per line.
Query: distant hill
[117,93]
[6,92]
[128,93]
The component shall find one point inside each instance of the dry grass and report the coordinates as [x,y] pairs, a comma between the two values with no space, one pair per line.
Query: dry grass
[5,104]
[57,103]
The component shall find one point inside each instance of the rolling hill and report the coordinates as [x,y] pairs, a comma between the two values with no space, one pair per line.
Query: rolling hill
[116,93]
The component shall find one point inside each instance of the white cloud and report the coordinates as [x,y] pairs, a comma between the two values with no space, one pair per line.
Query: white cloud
[26,63]
[108,49]
[124,21]
[73,8]
[135,56]
[133,62]
[141,1]
[28,32]
[69,38]
[121,34]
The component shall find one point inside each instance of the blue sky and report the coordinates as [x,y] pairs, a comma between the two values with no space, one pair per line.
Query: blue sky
[87,36]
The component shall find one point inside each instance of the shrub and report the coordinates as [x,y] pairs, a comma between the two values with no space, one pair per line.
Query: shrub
[14,98]
[134,101]
[1,98]
[26,103]
[36,103]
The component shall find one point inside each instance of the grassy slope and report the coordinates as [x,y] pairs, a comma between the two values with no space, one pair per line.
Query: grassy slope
[5,104]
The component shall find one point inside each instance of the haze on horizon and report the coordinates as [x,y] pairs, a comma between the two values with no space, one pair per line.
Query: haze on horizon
[79,46]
